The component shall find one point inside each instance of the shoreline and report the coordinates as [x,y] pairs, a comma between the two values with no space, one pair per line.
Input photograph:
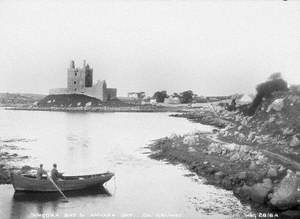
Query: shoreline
[102,109]
[11,160]
[258,176]
[247,163]
[251,178]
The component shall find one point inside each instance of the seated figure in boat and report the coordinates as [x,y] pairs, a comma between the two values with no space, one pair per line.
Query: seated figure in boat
[40,172]
[55,175]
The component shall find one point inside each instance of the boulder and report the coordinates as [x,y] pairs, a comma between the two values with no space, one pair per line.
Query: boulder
[244,122]
[287,195]
[295,141]
[231,147]
[281,169]
[88,104]
[226,182]
[276,105]
[242,175]
[272,172]
[222,131]
[250,136]
[210,170]
[245,192]
[190,139]
[191,149]
[259,158]
[247,157]
[255,139]
[173,136]
[261,161]
[237,118]
[226,133]
[227,128]
[214,148]
[241,137]
[272,119]
[287,131]
[259,191]
[4,177]
[235,157]
[244,148]
[219,176]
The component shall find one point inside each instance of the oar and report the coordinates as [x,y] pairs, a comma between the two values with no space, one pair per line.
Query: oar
[58,189]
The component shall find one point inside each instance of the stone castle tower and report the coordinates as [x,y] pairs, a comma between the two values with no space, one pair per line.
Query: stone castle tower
[79,78]
[80,81]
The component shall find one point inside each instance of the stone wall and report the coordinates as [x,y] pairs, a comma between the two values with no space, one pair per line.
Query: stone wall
[111,93]
[97,91]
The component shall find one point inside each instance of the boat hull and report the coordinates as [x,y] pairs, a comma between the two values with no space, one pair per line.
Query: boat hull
[27,183]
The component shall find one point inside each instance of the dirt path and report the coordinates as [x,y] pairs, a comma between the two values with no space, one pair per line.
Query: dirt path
[285,160]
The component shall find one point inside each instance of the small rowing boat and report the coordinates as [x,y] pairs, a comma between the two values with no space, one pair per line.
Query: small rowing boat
[23,182]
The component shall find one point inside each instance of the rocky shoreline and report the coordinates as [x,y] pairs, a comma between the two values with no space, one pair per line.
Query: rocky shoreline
[255,157]
[8,159]
[250,174]
[205,117]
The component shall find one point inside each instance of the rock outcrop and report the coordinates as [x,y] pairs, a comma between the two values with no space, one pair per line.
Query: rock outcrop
[287,195]
[259,192]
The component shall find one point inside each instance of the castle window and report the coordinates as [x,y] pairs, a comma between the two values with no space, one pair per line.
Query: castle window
[75,73]
[74,82]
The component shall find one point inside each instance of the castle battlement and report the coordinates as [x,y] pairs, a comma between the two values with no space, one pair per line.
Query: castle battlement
[80,81]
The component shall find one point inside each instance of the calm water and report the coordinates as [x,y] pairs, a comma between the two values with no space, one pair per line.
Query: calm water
[83,143]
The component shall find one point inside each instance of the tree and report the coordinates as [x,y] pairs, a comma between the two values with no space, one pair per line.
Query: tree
[265,90]
[160,96]
[187,96]
[275,76]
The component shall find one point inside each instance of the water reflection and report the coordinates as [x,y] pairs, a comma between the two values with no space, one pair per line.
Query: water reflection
[93,143]
[35,204]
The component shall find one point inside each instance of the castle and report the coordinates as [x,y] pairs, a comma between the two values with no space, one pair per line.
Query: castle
[80,81]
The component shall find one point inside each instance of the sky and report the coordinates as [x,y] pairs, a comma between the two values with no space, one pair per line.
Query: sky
[213,47]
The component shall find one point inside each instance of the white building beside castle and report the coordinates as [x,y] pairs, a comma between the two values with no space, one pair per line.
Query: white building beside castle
[80,81]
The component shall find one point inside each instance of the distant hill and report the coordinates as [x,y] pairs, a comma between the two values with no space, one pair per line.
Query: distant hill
[8,99]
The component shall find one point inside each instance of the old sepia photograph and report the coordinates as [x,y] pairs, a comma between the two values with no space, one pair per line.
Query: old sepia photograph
[149,109]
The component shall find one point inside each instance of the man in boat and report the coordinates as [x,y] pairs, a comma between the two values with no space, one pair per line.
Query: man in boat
[55,175]
[40,172]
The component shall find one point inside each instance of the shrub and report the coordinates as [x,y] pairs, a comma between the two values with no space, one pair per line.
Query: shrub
[160,96]
[187,96]
[265,90]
